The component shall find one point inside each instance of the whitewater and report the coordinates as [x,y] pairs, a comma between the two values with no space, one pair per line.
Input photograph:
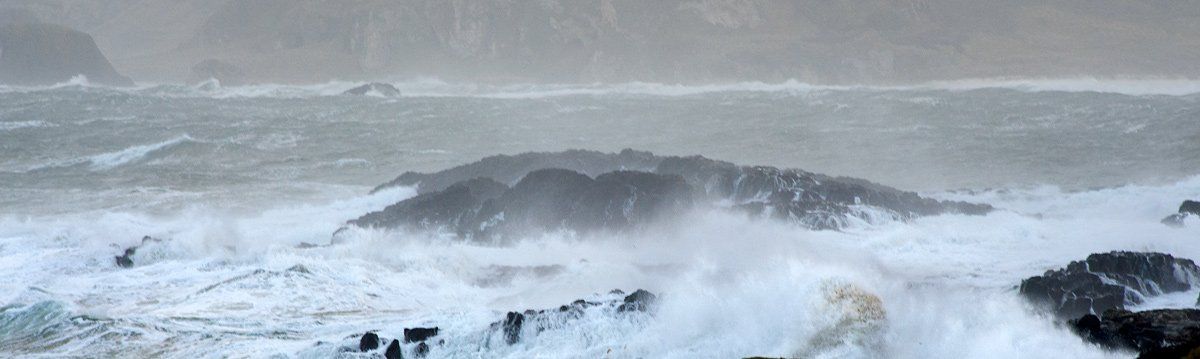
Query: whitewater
[236,178]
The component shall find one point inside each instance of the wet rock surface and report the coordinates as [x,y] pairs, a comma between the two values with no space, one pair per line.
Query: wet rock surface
[1162,333]
[586,191]
[1106,281]
[518,326]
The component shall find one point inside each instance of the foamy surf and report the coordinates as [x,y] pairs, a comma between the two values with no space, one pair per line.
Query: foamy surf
[731,286]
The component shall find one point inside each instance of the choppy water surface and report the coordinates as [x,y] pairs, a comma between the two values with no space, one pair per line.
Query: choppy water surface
[236,177]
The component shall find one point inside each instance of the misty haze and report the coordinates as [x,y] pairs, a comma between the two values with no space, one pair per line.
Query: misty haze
[599,179]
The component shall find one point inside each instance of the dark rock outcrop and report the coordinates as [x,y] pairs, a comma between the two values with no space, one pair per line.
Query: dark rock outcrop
[45,54]
[225,73]
[1187,209]
[511,327]
[545,200]
[1109,281]
[393,351]
[125,260]
[1163,333]
[455,208]
[639,300]
[374,88]
[414,335]
[369,341]
[516,325]
[553,191]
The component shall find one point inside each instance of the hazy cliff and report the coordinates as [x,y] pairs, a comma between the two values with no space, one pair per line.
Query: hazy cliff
[620,40]
[40,54]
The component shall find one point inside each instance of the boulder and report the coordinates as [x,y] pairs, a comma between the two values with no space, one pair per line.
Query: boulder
[369,341]
[413,335]
[1162,333]
[393,351]
[1109,281]
[225,73]
[374,89]
[639,300]
[34,53]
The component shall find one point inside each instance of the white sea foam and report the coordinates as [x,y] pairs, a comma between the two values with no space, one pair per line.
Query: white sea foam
[14,125]
[110,160]
[731,286]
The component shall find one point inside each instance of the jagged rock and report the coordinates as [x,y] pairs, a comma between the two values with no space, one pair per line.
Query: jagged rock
[1175,220]
[1187,209]
[639,300]
[1190,207]
[225,73]
[532,322]
[370,341]
[125,260]
[513,322]
[1162,333]
[413,335]
[1109,281]
[393,351]
[43,54]
[374,89]
[461,200]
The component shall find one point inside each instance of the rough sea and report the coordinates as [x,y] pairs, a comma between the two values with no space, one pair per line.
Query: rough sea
[234,178]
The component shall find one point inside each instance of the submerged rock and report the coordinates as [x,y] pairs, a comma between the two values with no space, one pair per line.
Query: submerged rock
[375,89]
[125,260]
[1109,281]
[1162,333]
[586,191]
[421,350]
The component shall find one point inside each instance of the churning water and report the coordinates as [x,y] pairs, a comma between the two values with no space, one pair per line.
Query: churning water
[235,178]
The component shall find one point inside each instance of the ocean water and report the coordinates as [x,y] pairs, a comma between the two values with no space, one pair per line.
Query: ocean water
[233,178]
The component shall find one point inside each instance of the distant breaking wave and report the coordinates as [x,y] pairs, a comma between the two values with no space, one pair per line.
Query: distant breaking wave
[438,88]
[110,160]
